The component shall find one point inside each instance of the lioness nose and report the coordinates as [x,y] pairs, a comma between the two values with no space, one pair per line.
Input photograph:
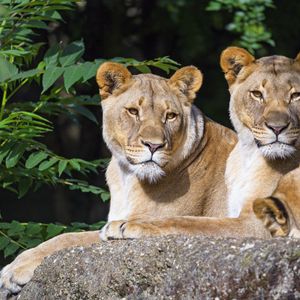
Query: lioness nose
[277,129]
[153,147]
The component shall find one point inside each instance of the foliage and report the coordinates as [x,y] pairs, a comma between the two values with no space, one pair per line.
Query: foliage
[16,237]
[25,161]
[248,21]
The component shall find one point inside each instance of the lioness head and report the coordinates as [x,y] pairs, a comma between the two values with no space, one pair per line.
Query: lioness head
[281,212]
[147,119]
[265,106]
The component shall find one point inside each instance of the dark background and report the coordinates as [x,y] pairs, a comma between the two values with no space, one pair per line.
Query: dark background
[142,30]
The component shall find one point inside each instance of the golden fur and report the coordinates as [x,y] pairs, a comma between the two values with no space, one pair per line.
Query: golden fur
[265,111]
[167,158]
[280,213]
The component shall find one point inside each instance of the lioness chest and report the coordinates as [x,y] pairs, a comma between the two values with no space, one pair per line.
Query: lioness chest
[197,189]
[250,176]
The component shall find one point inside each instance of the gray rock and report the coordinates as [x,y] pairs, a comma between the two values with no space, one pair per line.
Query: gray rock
[173,267]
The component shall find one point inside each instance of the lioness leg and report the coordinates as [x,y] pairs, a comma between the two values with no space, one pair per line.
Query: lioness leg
[20,271]
[225,227]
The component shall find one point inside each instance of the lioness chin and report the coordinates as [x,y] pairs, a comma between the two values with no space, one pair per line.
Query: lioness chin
[167,158]
[265,111]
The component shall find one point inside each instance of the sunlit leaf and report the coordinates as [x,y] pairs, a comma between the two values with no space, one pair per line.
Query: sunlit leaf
[14,155]
[71,53]
[72,74]
[50,76]
[53,230]
[61,166]
[47,164]
[7,69]
[74,163]
[51,56]
[34,159]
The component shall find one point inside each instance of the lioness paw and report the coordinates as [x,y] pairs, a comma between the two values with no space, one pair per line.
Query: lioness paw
[15,275]
[139,229]
[112,231]
[128,230]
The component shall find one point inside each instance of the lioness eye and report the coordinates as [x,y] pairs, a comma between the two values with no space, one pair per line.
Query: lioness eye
[133,111]
[257,95]
[171,116]
[295,97]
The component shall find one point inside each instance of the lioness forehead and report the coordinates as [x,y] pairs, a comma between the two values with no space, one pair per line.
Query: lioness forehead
[276,64]
[151,86]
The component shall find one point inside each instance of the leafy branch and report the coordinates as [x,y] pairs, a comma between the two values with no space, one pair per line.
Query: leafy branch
[248,21]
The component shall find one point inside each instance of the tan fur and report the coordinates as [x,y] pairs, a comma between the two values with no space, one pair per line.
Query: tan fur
[185,176]
[280,213]
[257,162]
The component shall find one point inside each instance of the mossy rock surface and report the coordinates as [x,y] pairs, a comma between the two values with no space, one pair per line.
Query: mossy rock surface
[173,267]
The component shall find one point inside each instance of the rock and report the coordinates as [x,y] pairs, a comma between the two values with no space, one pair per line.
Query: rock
[173,267]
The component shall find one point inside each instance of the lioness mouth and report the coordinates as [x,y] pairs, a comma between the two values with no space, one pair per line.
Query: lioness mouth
[259,144]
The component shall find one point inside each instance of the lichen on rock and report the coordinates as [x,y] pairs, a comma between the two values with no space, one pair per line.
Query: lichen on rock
[173,267]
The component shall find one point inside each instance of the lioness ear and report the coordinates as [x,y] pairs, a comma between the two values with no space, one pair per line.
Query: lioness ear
[188,80]
[111,77]
[272,212]
[232,60]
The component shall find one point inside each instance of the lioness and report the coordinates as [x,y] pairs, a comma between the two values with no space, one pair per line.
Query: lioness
[167,158]
[265,111]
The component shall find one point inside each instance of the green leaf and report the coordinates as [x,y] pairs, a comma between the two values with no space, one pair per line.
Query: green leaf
[74,163]
[143,68]
[53,230]
[23,186]
[10,249]
[4,150]
[33,229]
[14,155]
[213,6]
[85,112]
[72,74]
[50,76]
[105,196]
[71,53]
[47,164]
[52,15]
[36,24]
[25,75]
[88,70]
[4,225]
[30,243]
[15,228]
[163,66]
[19,52]
[4,241]
[35,158]
[7,70]
[51,56]
[61,166]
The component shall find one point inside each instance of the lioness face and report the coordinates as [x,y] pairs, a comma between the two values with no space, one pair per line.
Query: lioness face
[281,212]
[265,100]
[145,117]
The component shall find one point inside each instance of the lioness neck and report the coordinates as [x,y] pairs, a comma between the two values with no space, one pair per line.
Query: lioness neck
[249,175]
[196,187]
